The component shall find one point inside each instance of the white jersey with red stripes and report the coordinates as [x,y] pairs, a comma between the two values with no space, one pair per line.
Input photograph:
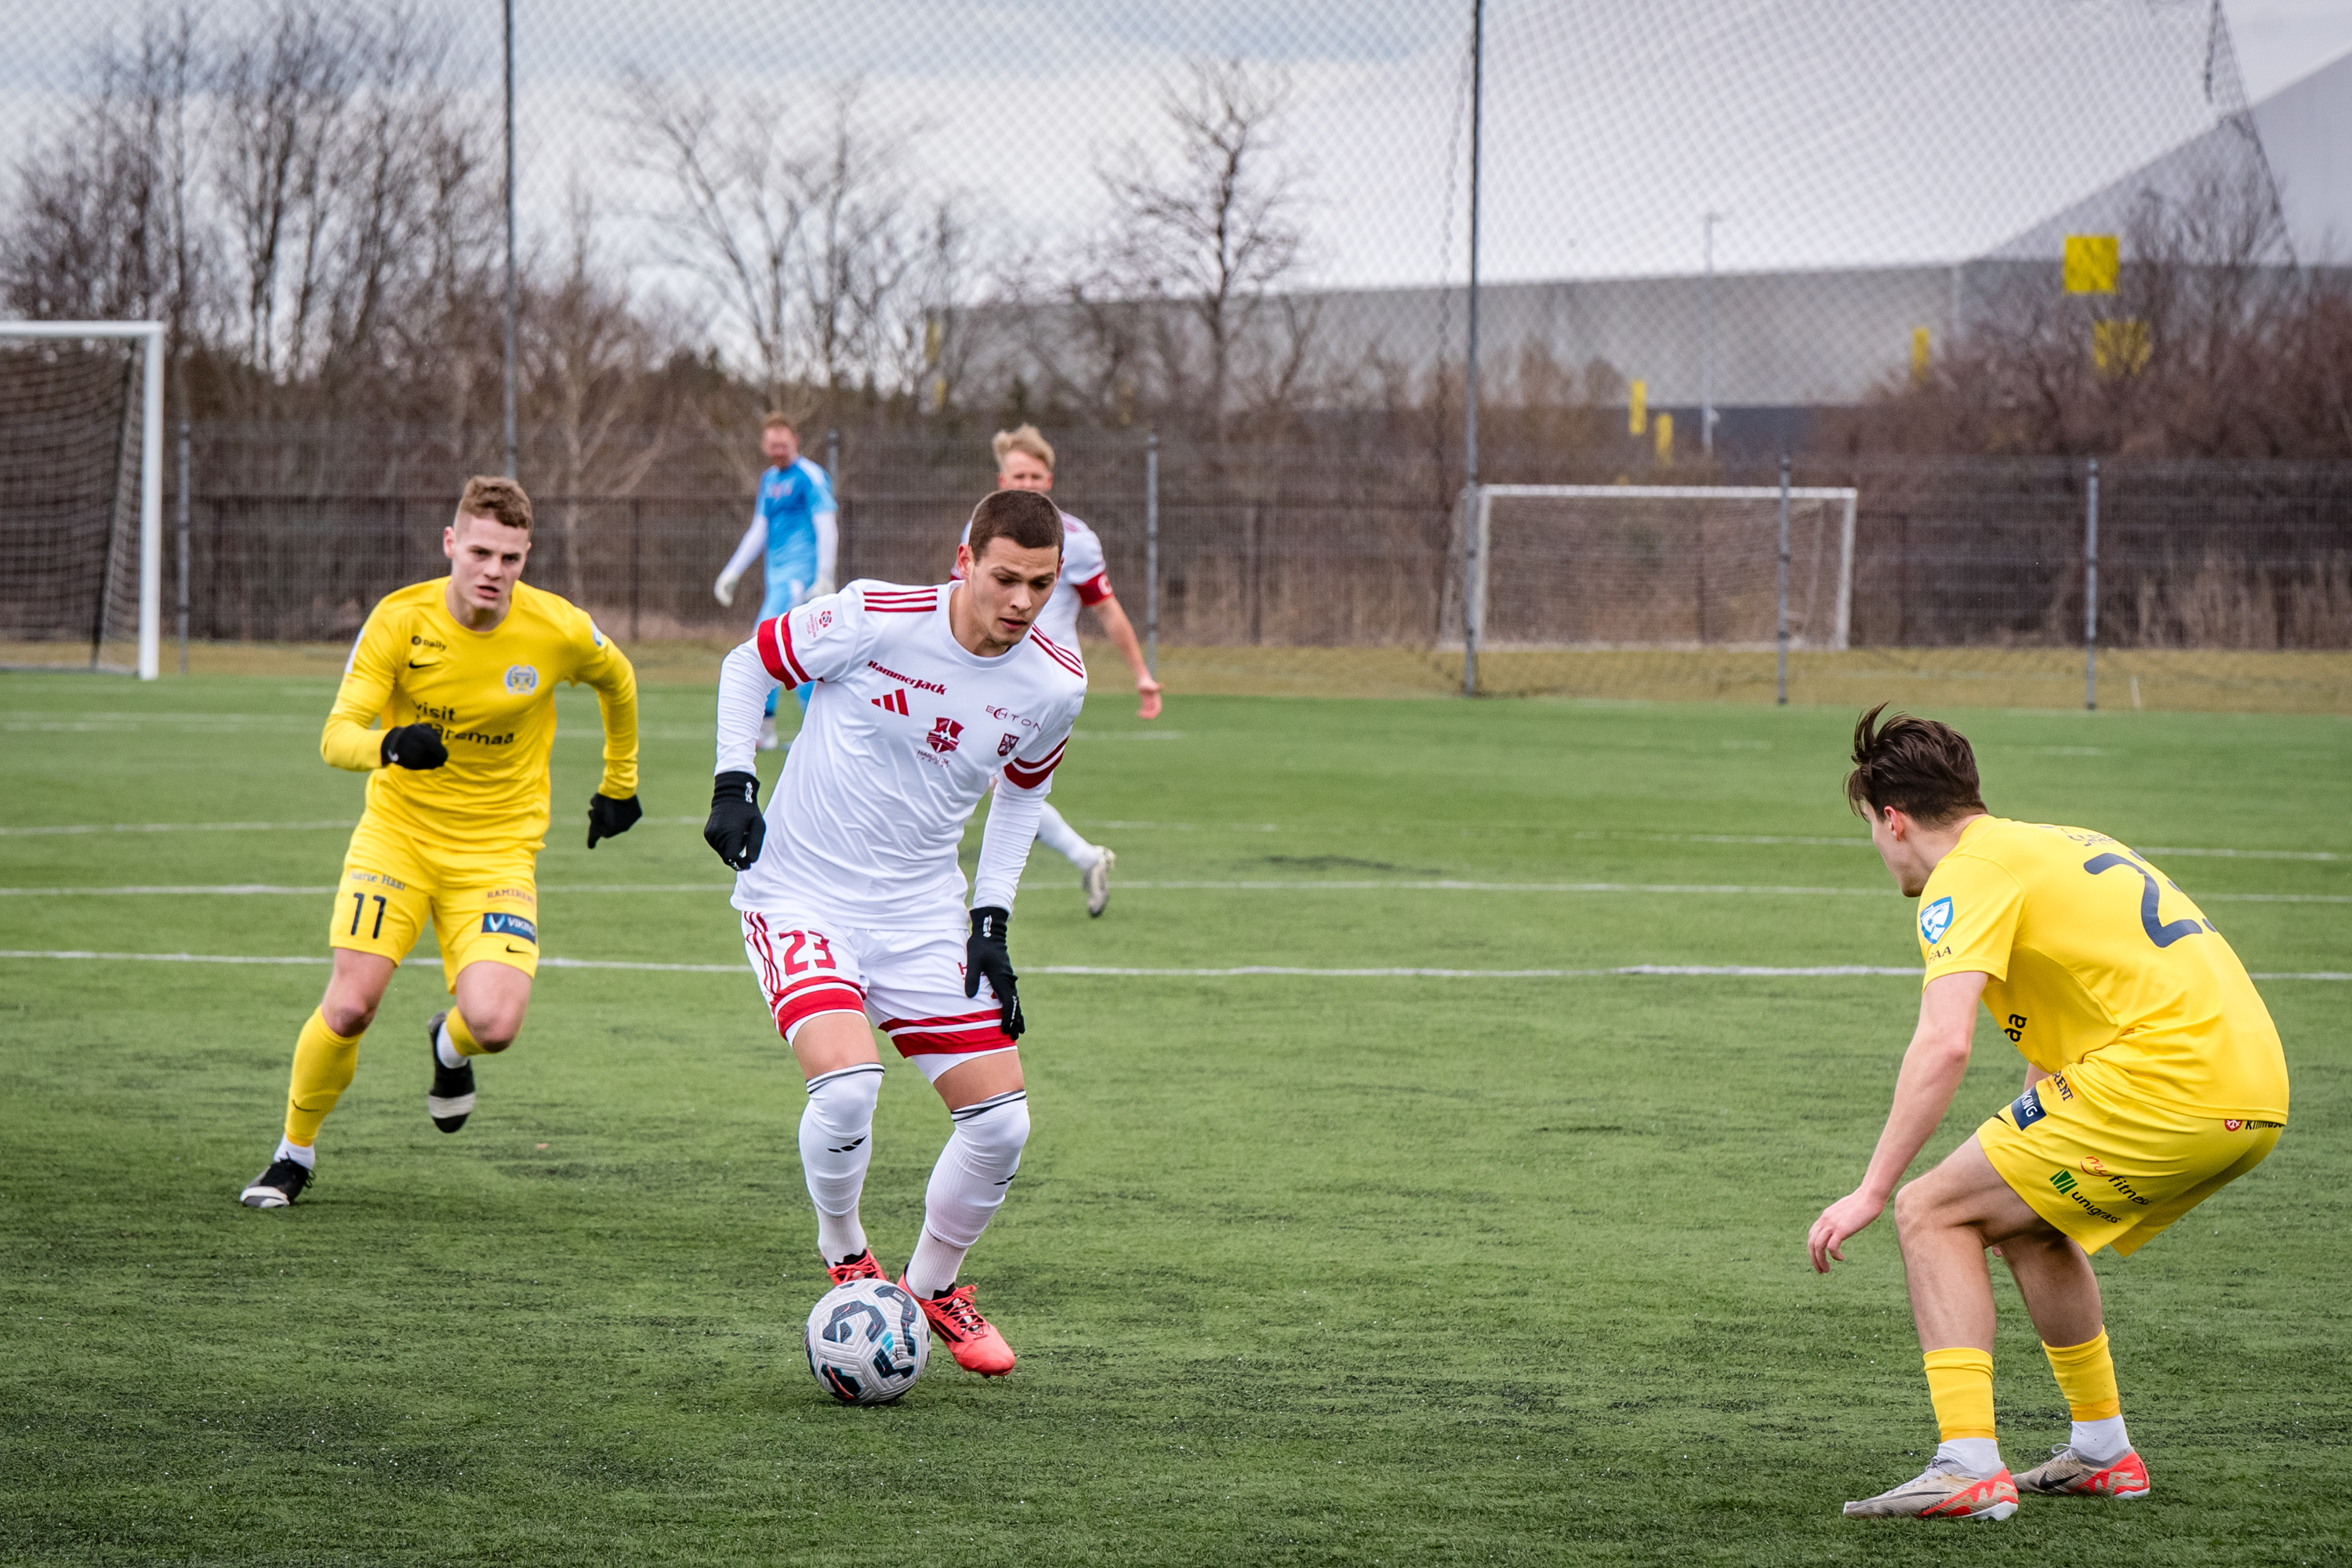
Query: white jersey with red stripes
[1084,580]
[905,732]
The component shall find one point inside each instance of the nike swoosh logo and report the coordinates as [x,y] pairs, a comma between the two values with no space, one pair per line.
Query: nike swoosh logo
[413,665]
[512,947]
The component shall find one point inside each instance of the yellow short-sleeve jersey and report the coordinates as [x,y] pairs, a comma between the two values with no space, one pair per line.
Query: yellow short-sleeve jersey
[491,695]
[2098,964]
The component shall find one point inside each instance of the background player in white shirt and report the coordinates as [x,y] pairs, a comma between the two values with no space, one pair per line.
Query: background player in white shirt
[1025,461]
[852,901]
[795,535]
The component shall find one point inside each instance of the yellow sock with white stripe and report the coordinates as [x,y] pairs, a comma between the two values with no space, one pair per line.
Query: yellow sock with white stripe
[324,1063]
[1959,1383]
[2086,1376]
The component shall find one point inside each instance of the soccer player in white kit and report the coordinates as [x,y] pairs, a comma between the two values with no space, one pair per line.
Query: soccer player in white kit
[851,898]
[1025,461]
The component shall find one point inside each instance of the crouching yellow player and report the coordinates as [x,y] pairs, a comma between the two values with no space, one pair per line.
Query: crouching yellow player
[2154,1078]
[462,673]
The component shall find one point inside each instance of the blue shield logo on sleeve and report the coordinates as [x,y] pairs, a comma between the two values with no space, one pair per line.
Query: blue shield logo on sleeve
[1935,921]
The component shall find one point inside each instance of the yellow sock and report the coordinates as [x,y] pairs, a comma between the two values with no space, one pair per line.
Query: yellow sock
[1960,1382]
[2086,1376]
[324,1062]
[461,1037]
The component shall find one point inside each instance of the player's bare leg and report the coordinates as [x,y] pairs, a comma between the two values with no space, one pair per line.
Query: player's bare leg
[837,1055]
[326,1056]
[988,1103]
[1945,1221]
[492,998]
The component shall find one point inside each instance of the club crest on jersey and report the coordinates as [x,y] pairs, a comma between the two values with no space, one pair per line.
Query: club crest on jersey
[945,734]
[1004,747]
[521,679]
[1935,921]
[823,619]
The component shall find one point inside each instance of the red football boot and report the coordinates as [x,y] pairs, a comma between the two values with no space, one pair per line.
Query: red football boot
[861,1266]
[972,1339]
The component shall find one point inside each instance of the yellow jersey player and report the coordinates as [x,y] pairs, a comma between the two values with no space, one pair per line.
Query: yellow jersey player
[461,672]
[2154,1078]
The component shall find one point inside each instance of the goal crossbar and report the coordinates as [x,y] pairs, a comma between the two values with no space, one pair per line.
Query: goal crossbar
[1479,554]
[151,464]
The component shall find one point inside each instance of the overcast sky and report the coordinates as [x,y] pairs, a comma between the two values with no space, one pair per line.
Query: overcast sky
[1829,131]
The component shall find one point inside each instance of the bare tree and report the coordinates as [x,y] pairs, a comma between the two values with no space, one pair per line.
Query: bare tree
[739,203]
[1213,231]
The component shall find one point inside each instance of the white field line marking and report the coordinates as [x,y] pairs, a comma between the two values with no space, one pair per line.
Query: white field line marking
[1132,826]
[1700,971]
[245,889]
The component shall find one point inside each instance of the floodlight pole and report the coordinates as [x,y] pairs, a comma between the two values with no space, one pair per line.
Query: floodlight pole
[2091,591]
[1470,530]
[1782,691]
[1706,353]
[510,244]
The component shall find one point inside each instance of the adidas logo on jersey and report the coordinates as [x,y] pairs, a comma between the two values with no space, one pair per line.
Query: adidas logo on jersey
[895,703]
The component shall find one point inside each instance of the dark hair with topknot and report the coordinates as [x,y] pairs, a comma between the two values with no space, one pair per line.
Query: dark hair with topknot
[1923,768]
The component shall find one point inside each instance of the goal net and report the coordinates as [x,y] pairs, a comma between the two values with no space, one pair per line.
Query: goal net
[81,495]
[1619,567]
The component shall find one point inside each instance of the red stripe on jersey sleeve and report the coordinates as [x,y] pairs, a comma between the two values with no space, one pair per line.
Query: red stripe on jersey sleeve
[1029,775]
[1095,589]
[776,651]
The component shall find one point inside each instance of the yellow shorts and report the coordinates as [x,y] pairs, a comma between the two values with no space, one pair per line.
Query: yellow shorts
[484,903]
[2110,1170]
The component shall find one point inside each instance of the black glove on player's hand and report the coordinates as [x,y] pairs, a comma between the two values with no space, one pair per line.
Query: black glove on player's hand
[736,828]
[413,746]
[609,818]
[984,954]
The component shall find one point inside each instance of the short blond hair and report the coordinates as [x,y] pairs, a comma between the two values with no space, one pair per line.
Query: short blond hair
[776,418]
[1027,438]
[496,497]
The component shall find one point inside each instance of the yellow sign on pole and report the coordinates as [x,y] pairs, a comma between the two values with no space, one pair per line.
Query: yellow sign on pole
[2092,261]
[1637,408]
[1920,346]
[1665,437]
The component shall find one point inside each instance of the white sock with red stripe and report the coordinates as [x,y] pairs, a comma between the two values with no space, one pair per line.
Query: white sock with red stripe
[967,1188]
[836,1145]
[1064,839]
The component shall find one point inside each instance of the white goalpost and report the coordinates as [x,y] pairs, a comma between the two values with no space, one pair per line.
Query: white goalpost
[1578,567]
[81,494]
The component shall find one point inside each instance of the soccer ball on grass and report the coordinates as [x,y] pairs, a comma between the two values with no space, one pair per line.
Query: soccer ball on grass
[867,1341]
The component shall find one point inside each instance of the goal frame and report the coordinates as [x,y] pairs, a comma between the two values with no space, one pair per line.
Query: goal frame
[150,335]
[1482,512]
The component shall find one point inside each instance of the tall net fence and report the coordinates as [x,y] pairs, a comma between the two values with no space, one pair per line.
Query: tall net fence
[70,448]
[1939,257]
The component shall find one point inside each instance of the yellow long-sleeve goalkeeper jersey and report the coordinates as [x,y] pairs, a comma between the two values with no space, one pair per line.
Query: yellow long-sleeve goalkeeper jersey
[491,695]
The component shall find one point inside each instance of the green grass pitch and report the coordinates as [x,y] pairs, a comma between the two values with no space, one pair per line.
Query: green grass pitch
[1337,1269]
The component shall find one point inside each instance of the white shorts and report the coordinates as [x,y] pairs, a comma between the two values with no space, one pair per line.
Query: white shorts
[909,983]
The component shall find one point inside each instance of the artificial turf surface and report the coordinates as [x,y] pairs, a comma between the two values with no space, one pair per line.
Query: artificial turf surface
[1301,1269]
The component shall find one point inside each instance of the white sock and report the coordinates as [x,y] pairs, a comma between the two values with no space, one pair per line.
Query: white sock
[1977,1457]
[303,1154]
[2101,1442]
[1064,840]
[836,1145]
[967,1186]
[447,1048]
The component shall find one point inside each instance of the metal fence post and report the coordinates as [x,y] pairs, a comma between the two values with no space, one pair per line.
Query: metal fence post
[1151,555]
[1781,696]
[637,550]
[183,547]
[2091,591]
[832,458]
